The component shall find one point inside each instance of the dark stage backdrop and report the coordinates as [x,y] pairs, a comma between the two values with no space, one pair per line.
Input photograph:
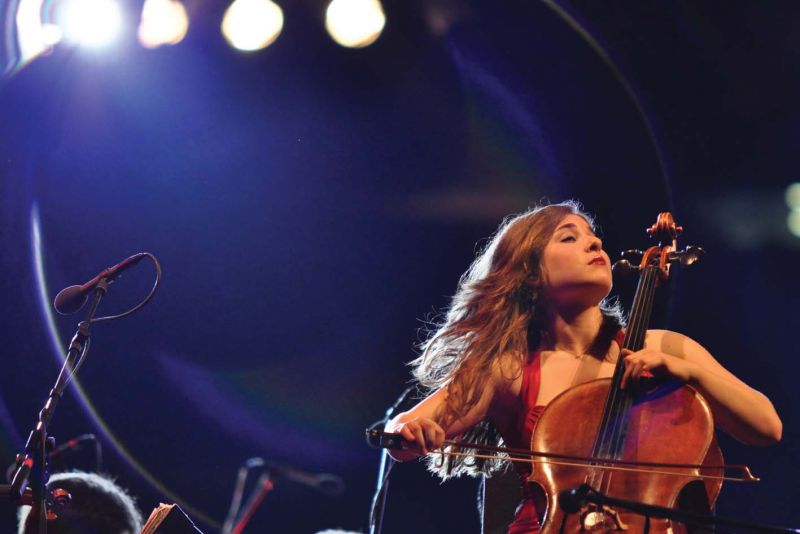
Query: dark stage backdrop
[312,205]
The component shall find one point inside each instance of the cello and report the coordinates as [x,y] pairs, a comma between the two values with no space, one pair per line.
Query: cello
[663,426]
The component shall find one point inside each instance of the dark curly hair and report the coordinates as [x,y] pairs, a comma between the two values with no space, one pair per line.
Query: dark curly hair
[98,506]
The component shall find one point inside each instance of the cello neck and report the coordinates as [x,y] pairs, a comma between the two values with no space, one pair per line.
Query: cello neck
[613,424]
[641,312]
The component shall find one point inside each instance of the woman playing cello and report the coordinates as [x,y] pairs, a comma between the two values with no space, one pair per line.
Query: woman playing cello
[529,321]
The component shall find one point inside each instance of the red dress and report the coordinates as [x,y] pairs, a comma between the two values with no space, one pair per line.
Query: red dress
[526,520]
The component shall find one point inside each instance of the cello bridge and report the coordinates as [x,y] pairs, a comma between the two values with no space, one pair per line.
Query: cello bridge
[601,519]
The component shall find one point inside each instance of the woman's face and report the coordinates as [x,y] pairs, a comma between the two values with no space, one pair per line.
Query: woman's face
[576,271]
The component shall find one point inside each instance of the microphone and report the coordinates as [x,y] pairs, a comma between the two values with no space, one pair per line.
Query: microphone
[73,298]
[375,432]
[572,500]
[70,445]
[323,482]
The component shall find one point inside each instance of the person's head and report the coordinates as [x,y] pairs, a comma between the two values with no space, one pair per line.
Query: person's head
[575,271]
[541,257]
[536,262]
[98,506]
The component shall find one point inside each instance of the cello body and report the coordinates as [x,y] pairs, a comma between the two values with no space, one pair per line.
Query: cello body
[670,424]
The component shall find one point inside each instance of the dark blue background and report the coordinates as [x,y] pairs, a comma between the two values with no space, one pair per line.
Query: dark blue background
[311,204]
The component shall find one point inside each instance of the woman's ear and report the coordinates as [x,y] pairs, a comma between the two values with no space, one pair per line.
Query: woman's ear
[534,278]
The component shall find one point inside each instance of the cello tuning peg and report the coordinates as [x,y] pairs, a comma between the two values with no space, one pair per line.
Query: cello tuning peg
[624,267]
[689,255]
[633,255]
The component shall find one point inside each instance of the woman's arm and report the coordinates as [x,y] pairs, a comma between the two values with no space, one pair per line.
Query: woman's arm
[420,425]
[740,410]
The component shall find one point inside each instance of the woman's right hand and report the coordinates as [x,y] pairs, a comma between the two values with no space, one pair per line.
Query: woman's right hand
[422,434]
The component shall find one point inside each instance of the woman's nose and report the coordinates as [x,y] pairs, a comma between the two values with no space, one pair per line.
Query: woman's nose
[595,244]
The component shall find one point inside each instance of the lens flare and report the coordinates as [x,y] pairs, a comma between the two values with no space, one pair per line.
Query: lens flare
[27,33]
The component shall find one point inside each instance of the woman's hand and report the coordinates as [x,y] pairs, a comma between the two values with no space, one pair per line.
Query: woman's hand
[651,362]
[422,434]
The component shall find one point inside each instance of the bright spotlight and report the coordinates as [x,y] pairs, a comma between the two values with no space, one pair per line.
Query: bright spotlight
[93,23]
[792,196]
[164,22]
[793,222]
[355,23]
[252,24]
[51,34]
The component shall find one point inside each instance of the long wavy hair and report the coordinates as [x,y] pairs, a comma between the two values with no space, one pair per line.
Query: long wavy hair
[496,317]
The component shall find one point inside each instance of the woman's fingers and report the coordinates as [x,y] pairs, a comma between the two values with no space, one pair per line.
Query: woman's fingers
[434,436]
[634,368]
[424,434]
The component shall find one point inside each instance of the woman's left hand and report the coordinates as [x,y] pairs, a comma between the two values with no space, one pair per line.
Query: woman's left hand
[653,363]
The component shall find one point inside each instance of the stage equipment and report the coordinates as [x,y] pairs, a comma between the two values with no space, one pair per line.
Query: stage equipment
[71,445]
[169,519]
[32,471]
[375,434]
[239,515]
[572,501]
[73,298]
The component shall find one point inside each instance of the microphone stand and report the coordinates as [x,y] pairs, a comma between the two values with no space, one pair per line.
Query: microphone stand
[379,499]
[386,463]
[263,486]
[574,499]
[32,465]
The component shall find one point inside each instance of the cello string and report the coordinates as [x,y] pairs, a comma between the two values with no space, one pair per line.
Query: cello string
[619,368]
[629,392]
[637,343]
[625,397]
[598,450]
[610,413]
[608,410]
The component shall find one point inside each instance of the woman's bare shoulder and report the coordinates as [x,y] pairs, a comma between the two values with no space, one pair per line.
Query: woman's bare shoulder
[673,343]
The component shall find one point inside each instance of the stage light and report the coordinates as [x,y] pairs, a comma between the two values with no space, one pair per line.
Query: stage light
[164,22]
[252,24]
[92,23]
[355,23]
[50,34]
[792,196]
[793,222]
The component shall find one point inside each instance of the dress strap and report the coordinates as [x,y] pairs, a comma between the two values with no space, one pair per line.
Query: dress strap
[531,380]
[620,337]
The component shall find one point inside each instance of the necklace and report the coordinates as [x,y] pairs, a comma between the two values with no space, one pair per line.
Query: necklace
[548,342]
[577,364]
[578,355]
